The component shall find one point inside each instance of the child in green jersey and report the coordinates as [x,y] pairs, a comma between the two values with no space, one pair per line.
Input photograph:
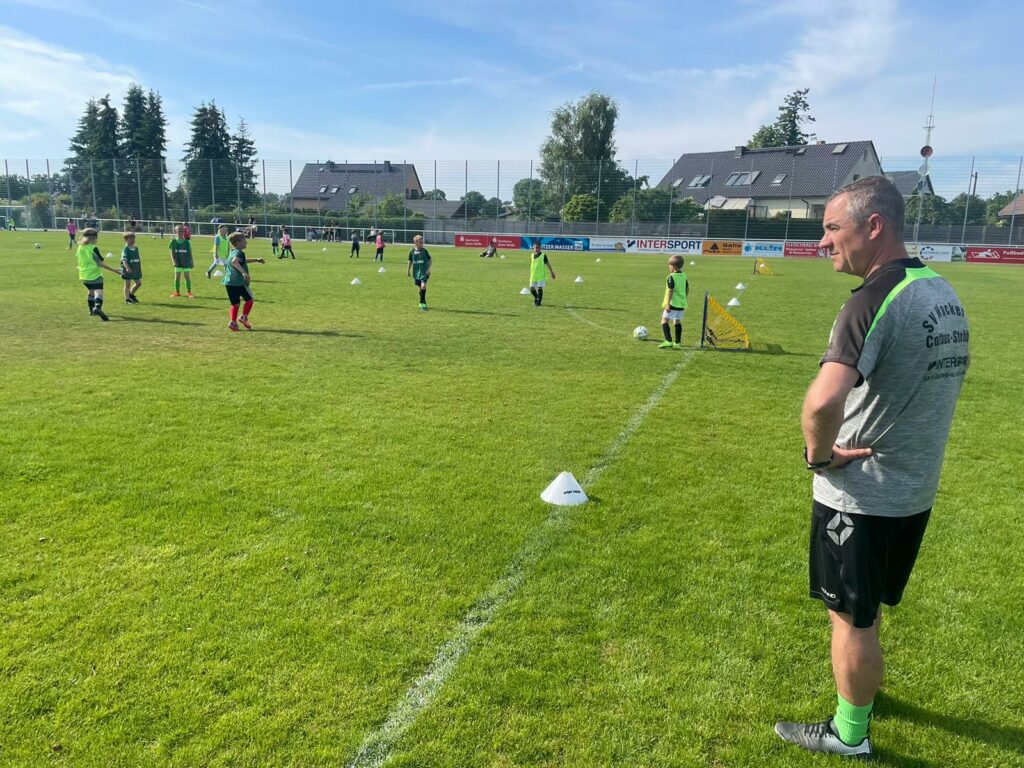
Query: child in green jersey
[674,304]
[539,268]
[181,258]
[90,264]
[419,268]
[131,268]
[236,281]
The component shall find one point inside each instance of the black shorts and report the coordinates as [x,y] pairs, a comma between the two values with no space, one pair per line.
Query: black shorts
[93,285]
[238,293]
[861,561]
[418,280]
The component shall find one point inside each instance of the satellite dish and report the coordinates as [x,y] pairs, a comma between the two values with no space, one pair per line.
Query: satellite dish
[926,151]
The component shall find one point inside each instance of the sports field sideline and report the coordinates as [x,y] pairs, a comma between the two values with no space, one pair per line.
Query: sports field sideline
[242,549]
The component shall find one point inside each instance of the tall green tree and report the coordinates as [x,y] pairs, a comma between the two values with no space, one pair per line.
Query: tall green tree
[106,148]
[209,173]
[475,203]
[995,203]
[528,198]
[788,128]
[243,153]
[580,150]
[153,151]
[580,208]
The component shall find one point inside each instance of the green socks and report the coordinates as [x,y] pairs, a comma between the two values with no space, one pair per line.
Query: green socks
[188,284]
[177,284]
[852,721]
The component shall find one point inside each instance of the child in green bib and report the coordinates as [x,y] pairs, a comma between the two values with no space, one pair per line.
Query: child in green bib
[90,271]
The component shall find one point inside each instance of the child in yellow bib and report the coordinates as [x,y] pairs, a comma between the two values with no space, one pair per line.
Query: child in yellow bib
[674,304]
[90,271]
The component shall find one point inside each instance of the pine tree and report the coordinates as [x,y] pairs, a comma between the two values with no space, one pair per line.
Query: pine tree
[152,148]
[82,147]
[105,150]
[209,172]
[131,149]
[788,128]
[243,153]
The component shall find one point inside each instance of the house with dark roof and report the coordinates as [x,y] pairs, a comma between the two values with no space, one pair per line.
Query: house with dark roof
[444,209]
[1013,210]
[908,182]
[328,186]
[773,180]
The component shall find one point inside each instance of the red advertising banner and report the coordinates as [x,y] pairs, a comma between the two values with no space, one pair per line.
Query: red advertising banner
[509,242]
[801,250]
[995,255]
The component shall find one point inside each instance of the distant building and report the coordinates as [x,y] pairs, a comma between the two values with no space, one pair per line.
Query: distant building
[328,186]
[1014,210]
[908,182]
[445,209]
[773,180]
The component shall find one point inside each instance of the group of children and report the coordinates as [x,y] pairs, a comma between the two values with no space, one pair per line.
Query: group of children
[229,253]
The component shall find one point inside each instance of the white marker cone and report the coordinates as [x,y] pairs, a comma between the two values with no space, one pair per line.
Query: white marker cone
[218,273]
[524,292]
[578,279]
[381,271]
[740,287]
[323,249]
[693,263]
[502,256]
[356,281]
[597,261]
[564,491]
[733,302]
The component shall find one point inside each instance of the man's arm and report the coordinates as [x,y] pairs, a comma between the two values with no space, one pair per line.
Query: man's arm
[823,413]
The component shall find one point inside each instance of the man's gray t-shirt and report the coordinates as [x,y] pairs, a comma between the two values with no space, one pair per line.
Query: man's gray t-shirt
[905,332]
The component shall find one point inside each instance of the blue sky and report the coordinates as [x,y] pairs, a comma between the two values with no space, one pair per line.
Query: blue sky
[477,80]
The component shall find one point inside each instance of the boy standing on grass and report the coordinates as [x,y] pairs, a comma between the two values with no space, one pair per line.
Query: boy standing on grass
[90,264]
[236,280]
[72,231]
[419,268]
[181,259]
[131,268]
[221,249]
[275,238]
[674,305]
[539,267]
[355,245]
[379,256]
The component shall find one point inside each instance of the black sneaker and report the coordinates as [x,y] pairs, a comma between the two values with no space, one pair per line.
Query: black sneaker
[823,737]
[134,299]
[101,315]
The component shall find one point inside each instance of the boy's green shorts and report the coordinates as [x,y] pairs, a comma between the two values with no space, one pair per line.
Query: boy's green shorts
[179,270]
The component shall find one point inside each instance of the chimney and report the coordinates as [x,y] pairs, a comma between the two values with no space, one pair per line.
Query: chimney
[740,152]
[387,166]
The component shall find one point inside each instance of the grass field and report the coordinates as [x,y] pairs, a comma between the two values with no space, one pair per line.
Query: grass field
[225,549]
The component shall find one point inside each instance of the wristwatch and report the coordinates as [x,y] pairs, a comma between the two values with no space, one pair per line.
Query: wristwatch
[818,464]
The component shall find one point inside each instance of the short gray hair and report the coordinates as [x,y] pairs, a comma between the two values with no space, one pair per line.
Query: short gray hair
[874,194]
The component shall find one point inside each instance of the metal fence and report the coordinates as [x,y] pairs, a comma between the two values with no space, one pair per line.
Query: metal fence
[439,198]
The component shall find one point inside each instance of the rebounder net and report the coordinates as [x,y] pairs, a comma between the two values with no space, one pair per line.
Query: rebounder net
[761,267]
[720,330]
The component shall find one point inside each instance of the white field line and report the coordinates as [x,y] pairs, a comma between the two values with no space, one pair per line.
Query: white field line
[376,749]
[583,319]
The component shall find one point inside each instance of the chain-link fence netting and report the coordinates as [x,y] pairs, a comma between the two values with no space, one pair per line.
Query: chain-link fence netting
[720,195]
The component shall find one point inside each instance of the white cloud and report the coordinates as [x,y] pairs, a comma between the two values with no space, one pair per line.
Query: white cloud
[47,84]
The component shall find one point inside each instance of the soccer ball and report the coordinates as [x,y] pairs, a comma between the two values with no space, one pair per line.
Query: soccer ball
[640,333]
[38,246]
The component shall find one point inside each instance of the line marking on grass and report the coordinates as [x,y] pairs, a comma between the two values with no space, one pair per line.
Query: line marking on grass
[378,746]
[583,319]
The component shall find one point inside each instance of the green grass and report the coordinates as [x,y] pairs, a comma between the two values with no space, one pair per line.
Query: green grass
[241,549]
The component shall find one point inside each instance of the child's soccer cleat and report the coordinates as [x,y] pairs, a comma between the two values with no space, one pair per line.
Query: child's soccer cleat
[101,315]
[191,295]
[244,320]
[676,346]
[175,295]
[232,326]
[665,345]
[822,737]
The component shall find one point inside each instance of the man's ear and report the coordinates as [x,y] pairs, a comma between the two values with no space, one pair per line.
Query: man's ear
[876,226]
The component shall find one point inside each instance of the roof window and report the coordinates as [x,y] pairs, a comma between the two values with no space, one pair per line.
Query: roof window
[778,179]
[839,149]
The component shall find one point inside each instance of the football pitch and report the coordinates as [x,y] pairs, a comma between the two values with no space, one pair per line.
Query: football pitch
[321,543]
